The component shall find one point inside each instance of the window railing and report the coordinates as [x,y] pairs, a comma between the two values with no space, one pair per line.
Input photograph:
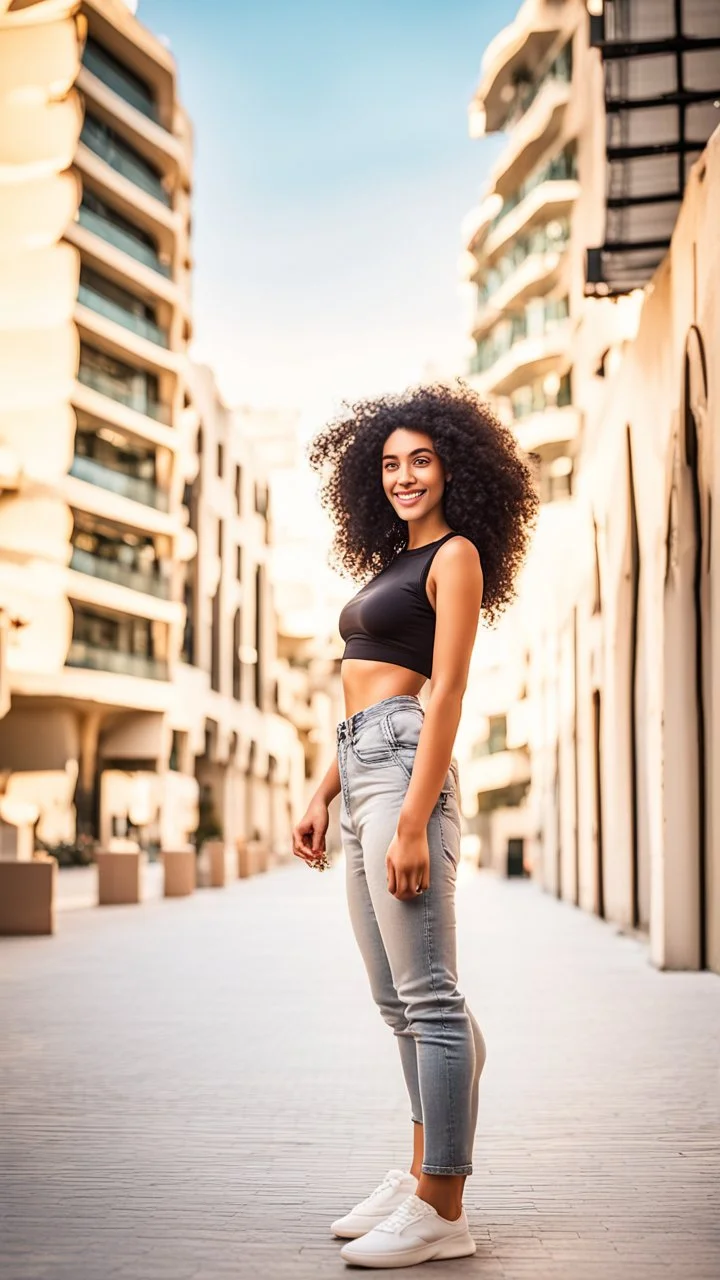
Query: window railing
[113,571]
[533,398]
[98,658]
[119,482]
[140,325]
[105,144]
[552,238]
[122,239]
[534,322]
[561,168]
[559,71]
[122,82]
[99,381]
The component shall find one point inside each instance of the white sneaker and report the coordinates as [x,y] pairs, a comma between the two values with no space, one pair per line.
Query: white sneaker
[414,1232]
[395,1187]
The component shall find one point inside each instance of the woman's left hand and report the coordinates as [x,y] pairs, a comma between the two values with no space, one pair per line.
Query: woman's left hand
[407,863]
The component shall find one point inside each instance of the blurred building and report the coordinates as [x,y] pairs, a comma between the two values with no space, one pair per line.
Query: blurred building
[228,717]
[121,677]
[612,644]
[308,596]
[525,247]
[95,322]
[626,791]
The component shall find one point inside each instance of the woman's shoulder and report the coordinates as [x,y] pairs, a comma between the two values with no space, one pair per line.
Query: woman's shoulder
[459,550]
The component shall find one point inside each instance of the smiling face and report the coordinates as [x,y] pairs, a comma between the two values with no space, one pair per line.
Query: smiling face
[413,475]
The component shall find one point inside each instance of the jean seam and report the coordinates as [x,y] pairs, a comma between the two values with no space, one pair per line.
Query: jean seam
[385,762]
[451,1115]
[443,842]
[342,769]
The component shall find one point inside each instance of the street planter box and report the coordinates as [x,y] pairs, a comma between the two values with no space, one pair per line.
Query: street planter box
[180,872]
[215,852]
[27,896]
[244,866]
[118,877]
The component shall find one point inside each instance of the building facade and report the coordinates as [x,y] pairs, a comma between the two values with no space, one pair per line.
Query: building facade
[100,419]
[229,715]
[630,646]
[525,247]
[626,788]
[307,603]
[613,628]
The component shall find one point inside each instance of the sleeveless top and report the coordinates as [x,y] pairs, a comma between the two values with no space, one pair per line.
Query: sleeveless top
[391,619]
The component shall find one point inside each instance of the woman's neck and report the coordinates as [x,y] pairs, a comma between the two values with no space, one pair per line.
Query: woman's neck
[422,537]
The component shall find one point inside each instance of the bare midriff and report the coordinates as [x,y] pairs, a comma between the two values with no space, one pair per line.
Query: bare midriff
[367,682]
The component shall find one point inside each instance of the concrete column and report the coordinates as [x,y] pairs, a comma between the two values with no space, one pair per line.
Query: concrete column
[89,733]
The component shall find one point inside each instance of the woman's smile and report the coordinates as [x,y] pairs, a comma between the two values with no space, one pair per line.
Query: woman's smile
[410,497]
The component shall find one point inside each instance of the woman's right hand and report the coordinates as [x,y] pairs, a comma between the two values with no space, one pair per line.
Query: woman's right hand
[308,836]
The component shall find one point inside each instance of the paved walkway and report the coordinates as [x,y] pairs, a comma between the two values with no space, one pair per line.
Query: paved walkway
[194,1089]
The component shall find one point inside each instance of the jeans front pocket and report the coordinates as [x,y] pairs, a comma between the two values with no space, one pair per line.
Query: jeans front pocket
[402,728]
[370,744]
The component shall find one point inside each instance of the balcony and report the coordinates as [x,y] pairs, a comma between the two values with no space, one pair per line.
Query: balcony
[136,399]
[532,136]
[522,347]
[526,42]
[105,306]
[539,318]
[101,63]
[549,192]
[520,273]
[123,575]
[108,146]
[127,486]
[98,658]
[546,427]
[527,90]
[122,239]
[498,772]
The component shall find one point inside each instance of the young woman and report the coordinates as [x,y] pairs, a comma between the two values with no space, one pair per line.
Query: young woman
[433,505]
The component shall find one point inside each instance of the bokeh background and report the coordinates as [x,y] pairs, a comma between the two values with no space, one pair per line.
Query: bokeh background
[218,222]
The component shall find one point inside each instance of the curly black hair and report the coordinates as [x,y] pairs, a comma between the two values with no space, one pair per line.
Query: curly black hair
[491,499]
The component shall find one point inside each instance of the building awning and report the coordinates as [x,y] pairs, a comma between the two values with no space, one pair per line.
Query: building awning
[662,101]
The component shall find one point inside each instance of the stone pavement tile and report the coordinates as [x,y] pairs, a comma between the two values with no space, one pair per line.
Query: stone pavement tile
[197,1087]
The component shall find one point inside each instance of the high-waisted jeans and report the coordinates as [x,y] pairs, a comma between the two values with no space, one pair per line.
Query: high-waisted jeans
[409,947]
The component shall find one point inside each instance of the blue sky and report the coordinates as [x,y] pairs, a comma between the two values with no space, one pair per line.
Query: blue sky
[332,171]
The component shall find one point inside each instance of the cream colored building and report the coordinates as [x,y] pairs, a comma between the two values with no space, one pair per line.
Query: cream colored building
[99,420]
[614,617]
[229,712]
[525,247]
[308,595]
[627,790]
[96,309]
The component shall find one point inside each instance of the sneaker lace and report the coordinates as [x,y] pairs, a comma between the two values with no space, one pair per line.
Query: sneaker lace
[409,1211]
[390,1182]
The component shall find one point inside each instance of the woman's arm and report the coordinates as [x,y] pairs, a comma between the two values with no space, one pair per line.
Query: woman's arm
[458,584]
[329,787]
[308,837]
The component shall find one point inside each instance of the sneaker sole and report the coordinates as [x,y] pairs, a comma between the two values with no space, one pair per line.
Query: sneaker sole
[354,1233]
[452,1247]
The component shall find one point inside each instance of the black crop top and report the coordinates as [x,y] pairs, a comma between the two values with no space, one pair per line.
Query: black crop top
[391,619]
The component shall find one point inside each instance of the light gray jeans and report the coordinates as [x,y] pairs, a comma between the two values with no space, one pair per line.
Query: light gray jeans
[409,947]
